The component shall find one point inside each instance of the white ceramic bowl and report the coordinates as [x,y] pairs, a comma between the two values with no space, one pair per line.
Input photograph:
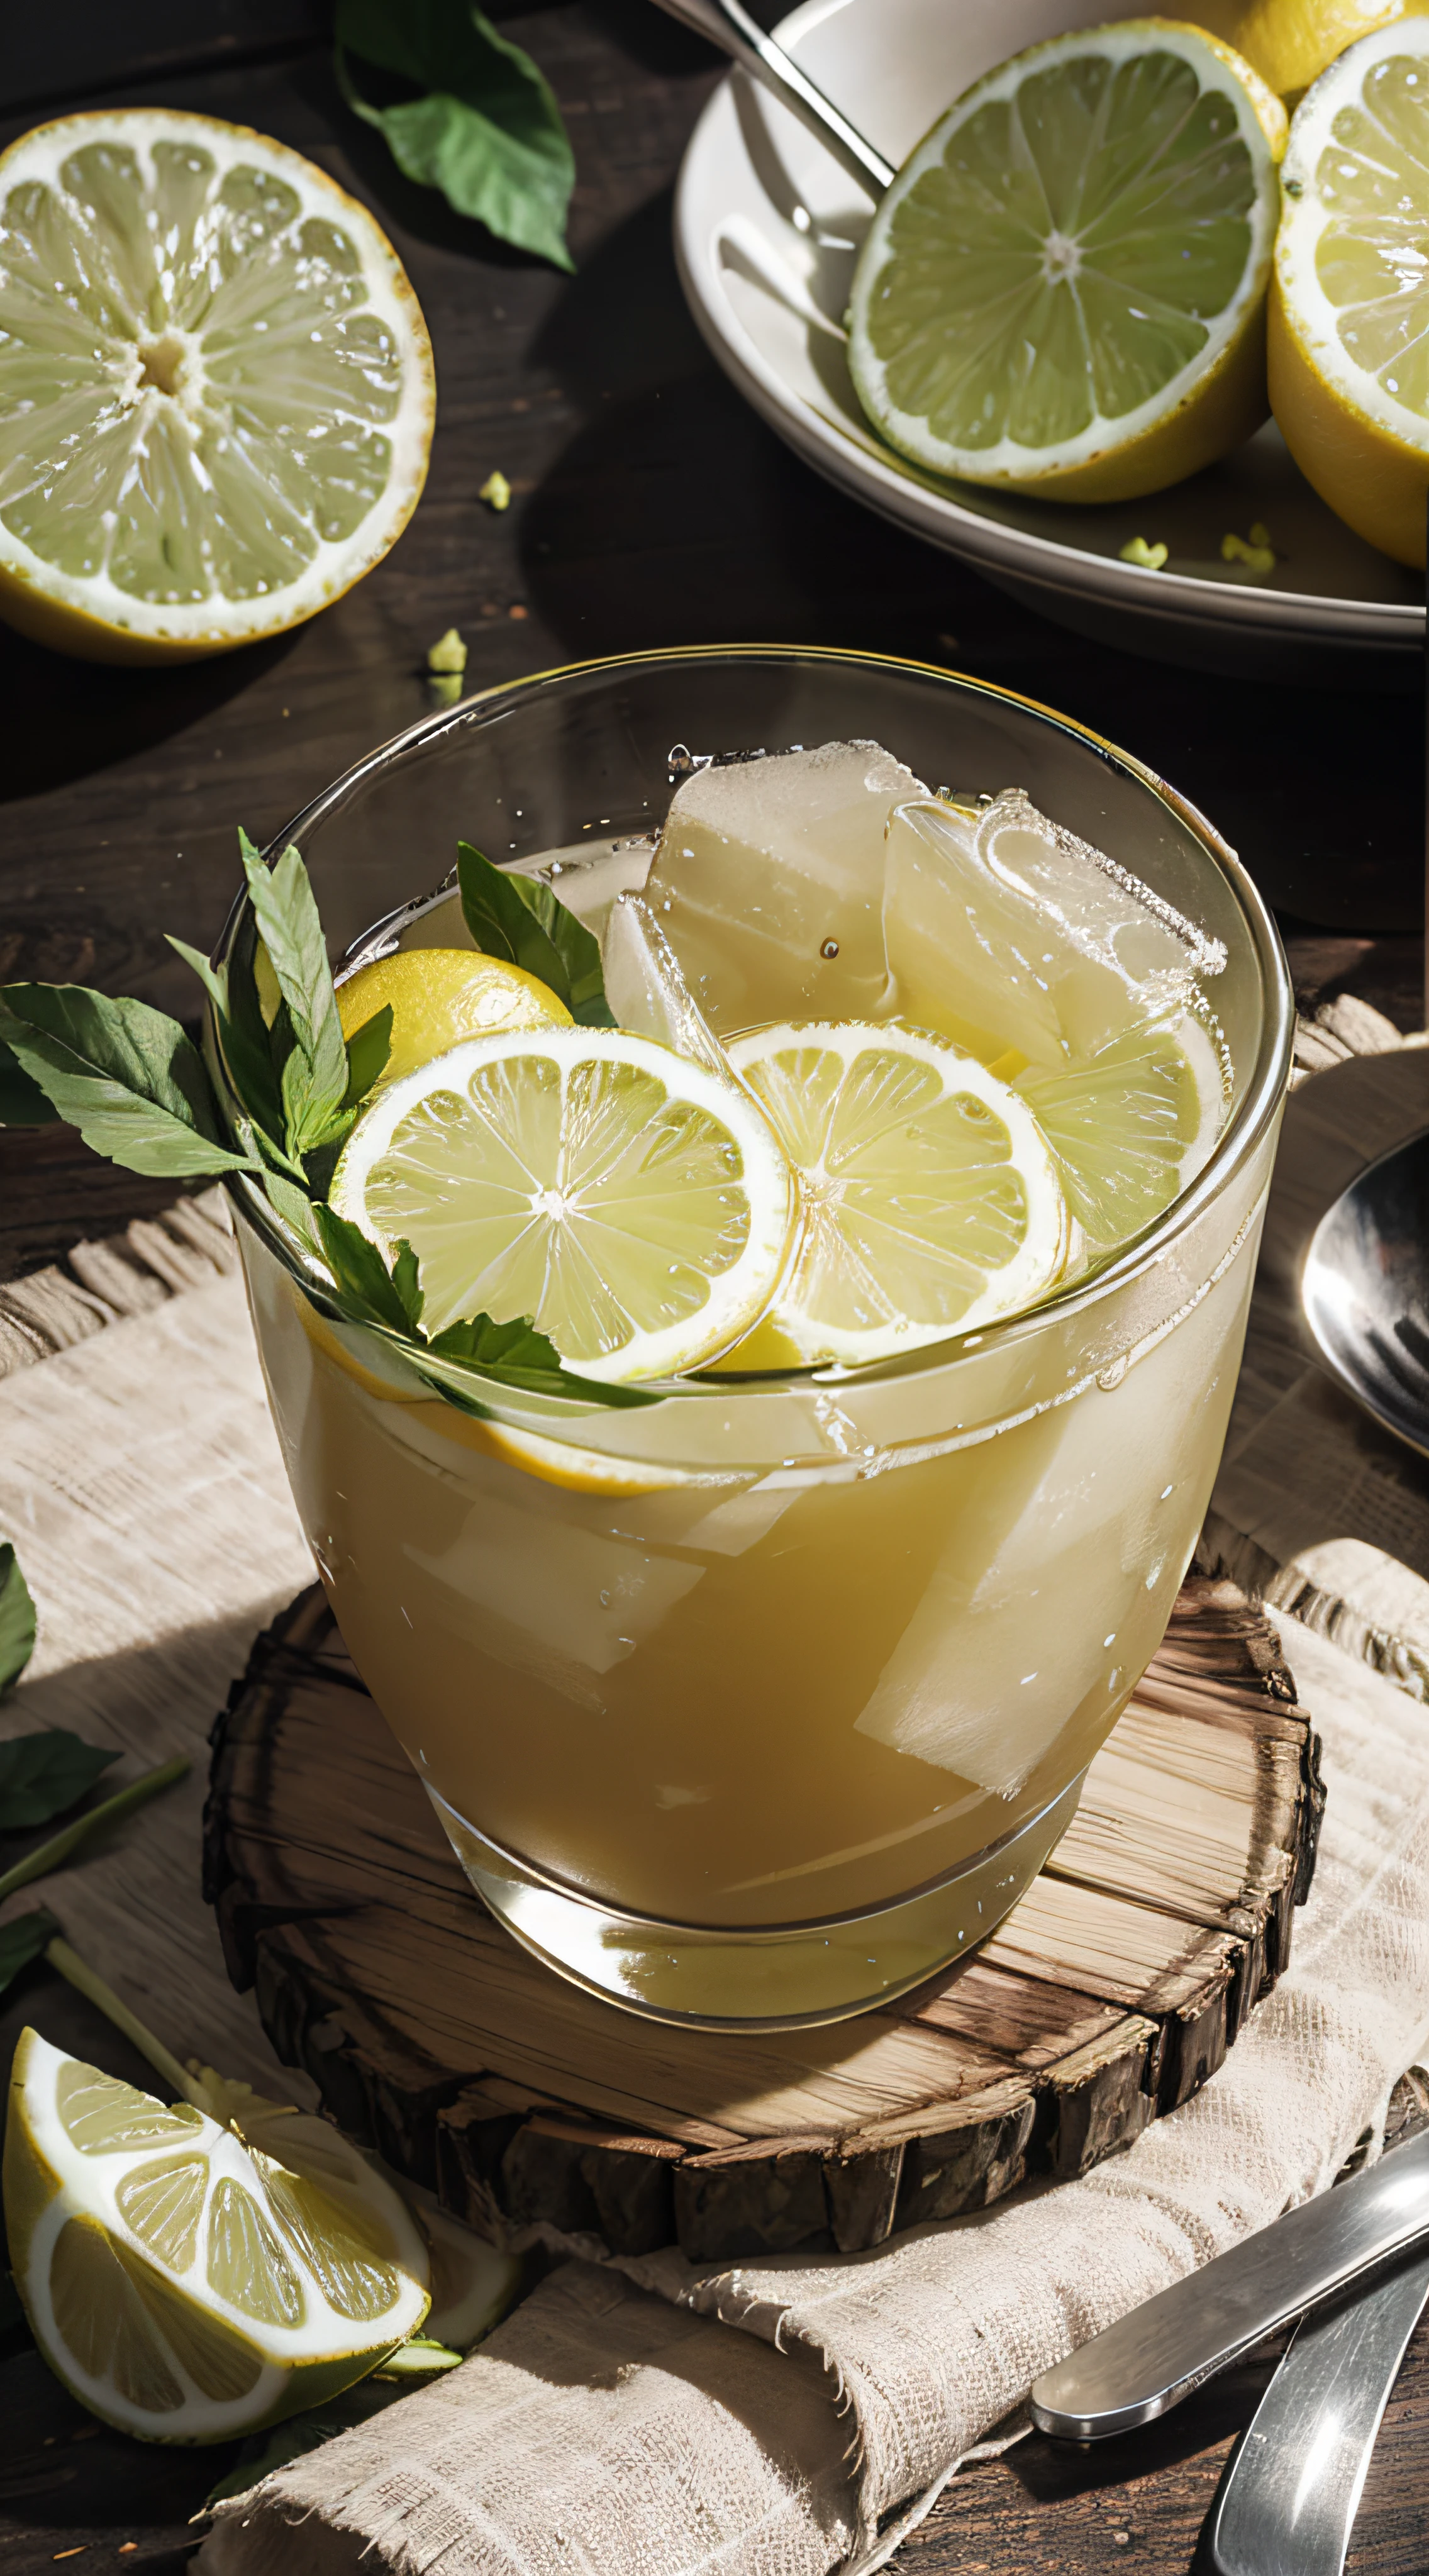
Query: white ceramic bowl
[766,229]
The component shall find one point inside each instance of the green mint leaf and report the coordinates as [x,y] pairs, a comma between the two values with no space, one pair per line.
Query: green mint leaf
[486,129]
[22,1103]
[124,1075]
[214,979]
[17,1622]
[287,916]
[362,1275]
[524,923]
[368,1049]
[407,1282]
[21,1940]
[293,1205]
[517,1355]
[43,1775]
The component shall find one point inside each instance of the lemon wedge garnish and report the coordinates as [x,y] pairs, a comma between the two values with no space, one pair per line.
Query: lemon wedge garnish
[931,1202]
[1132,1125]
[185,2288]
[223,392]
[1349,309]
[1064,288]
[438,996]
[634,1205]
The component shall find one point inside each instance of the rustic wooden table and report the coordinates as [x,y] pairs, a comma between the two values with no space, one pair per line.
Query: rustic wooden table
[650,507]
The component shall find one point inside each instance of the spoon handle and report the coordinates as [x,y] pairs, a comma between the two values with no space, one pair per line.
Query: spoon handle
[727,24]
[1291,2490]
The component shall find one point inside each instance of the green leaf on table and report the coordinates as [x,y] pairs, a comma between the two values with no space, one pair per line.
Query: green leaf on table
[368,1049]
[22,1939]
[17,1623]
[41,1775]
[125,1075]
[485,127]
[522,921]
[22,1103]
[314,1076]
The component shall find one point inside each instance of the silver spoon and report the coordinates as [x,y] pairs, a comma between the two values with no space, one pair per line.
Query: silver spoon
[726,24]
[1291,2489]
[1365,1288]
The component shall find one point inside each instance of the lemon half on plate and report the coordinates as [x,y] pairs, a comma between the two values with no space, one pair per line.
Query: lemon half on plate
[1349,309]
[636,1206]
[1064,287]
[216,387]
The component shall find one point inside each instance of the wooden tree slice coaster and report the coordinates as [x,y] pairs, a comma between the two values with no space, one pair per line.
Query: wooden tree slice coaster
[1108,1995]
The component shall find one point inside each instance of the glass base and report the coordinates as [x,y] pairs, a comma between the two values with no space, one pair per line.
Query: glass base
[786,1977]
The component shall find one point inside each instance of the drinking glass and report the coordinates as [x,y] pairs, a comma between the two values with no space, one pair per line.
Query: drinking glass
[756,1706]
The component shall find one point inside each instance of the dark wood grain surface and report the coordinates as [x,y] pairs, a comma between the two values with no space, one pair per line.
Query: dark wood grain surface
[650,507]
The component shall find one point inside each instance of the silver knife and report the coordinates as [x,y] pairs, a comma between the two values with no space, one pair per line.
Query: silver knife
[1173,2343]
[1291,2488]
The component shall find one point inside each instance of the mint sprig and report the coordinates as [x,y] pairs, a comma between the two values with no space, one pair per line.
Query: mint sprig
[125,1075]
[43,1774]
[139,1091]
[521,921]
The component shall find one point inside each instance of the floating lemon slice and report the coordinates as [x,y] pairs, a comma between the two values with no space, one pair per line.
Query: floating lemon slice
[184,2288]
[223,387]
[1349,309]
[1132,1125]
[438,996]
[1064,287]
[633,1204]
[931,1202]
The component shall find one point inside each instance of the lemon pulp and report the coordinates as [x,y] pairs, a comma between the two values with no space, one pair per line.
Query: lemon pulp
[218,386]
[1349,324]
[185,2288]
[1132,1125]
[629,1201]
[930,1200]
[1065,283]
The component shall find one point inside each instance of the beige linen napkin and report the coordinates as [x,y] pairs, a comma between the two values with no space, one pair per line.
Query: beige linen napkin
[769,2418]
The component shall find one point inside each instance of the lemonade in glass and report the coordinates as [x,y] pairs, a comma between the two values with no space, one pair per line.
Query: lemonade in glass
[756,1702]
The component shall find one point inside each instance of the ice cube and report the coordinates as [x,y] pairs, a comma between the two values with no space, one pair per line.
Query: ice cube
[646,989]
[1008,933]
[769,883]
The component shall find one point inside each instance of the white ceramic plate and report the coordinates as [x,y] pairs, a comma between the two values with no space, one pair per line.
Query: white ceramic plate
[766,229]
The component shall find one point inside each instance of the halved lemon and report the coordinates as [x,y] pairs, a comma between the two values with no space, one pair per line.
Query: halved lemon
[438,996]
[184,2288]
[1349,308]
[1290,42]
[1132,1125]
[219,391]
[1064,288]
[633,1204]
[931,1202]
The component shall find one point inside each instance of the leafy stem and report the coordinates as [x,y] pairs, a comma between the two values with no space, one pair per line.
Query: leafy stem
[49,1855]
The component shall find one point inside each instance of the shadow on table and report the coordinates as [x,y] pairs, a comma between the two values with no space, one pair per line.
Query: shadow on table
[65,719]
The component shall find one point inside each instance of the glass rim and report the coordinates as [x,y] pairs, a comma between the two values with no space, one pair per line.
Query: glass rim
[1243,1133]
